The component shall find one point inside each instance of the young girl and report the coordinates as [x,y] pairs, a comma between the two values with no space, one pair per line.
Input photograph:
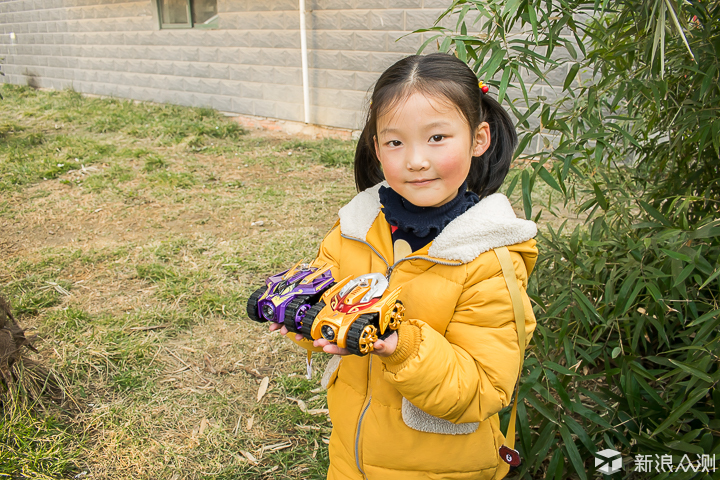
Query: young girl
[424,405]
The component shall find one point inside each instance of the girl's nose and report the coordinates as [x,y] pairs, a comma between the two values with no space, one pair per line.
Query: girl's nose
[416,161]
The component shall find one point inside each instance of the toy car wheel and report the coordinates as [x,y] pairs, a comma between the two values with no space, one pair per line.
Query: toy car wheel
[252,305]
[295,312]
[361,335]
[309,318]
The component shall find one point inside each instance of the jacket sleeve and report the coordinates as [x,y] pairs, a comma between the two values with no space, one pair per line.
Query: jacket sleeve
[329,250]
[468,374]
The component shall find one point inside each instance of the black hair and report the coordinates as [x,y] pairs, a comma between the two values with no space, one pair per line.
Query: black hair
[442,76]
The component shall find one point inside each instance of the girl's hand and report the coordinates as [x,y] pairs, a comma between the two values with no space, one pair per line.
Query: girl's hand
[330,348]
[284,331]
[385,348]
[277,326]
[382,348]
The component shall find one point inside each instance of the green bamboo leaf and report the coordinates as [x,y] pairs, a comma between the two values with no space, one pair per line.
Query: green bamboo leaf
[686,447]
[445,45]
[710,279]
[707,81]
[559,368]
[629,303]
[491,66]
[571,76]
[589,414]
[460,50]
[533,20]
[654,213]
[524,141]
[678,27]
[573,452]
[683,275]
[578,430]
[600,197]
[549,179]
[504,84]
[511,187]
[692,370]
[678,412]
[587,304]
[676,255]
[541,408]
[571,49]
[510,8]
[426,43]
[526,195]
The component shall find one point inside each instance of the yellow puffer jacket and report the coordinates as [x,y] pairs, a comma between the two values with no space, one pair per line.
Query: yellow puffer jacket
[429,411]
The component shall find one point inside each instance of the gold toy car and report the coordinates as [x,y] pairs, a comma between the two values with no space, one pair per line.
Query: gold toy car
[354,313]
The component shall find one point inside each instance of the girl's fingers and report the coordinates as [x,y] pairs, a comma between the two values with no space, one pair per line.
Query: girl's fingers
[330,348]
[385,348]
[276,326]
[333,349]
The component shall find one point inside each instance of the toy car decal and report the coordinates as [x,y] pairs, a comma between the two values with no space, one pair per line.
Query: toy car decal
[355,313]
[287,296]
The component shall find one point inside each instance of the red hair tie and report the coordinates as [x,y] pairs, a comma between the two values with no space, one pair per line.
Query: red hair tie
[483,87]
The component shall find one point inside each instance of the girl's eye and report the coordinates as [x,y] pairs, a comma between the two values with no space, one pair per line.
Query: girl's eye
[394,143]
[437,138]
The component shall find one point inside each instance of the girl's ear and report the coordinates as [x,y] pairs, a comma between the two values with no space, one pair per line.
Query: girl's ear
[481,139]
[375,146]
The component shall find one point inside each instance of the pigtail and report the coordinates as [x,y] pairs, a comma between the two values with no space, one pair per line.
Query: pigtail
[488,171]
[367,167]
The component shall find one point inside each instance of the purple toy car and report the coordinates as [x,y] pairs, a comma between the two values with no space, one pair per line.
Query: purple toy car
[287,296]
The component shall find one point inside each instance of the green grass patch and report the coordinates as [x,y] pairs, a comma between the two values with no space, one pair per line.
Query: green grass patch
[36,445]
[139,293]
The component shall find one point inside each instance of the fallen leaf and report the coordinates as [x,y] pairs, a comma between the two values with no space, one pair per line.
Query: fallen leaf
[249,456]
[308,427]
[250,422]
[276,447]
[203,426]
[318,411]
[300,403]
[263,388]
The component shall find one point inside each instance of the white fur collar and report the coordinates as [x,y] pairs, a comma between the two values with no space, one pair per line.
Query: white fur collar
[489,224]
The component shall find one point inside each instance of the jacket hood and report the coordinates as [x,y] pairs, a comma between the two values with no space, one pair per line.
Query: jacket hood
[489,224]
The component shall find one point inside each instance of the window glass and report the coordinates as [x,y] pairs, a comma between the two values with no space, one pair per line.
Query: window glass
[203,11]
[174,12]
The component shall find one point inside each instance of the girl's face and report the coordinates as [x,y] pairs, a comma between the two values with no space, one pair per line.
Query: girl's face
[425,148]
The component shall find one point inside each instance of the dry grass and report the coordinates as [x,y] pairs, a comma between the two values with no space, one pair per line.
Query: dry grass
[134,272]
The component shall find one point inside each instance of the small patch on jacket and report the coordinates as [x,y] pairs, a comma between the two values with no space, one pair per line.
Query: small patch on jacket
[330,371]
[424,422]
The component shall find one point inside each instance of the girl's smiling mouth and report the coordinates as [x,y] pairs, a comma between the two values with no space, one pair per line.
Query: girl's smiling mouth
[421,182]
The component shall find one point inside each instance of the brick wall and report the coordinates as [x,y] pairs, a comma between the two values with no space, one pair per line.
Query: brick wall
[250,64]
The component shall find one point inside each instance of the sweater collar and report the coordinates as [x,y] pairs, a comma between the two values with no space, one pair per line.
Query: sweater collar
[491,223]
[424,221]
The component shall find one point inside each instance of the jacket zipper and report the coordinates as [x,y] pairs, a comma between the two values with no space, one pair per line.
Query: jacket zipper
[420,257]
[360,420]
[390,269]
